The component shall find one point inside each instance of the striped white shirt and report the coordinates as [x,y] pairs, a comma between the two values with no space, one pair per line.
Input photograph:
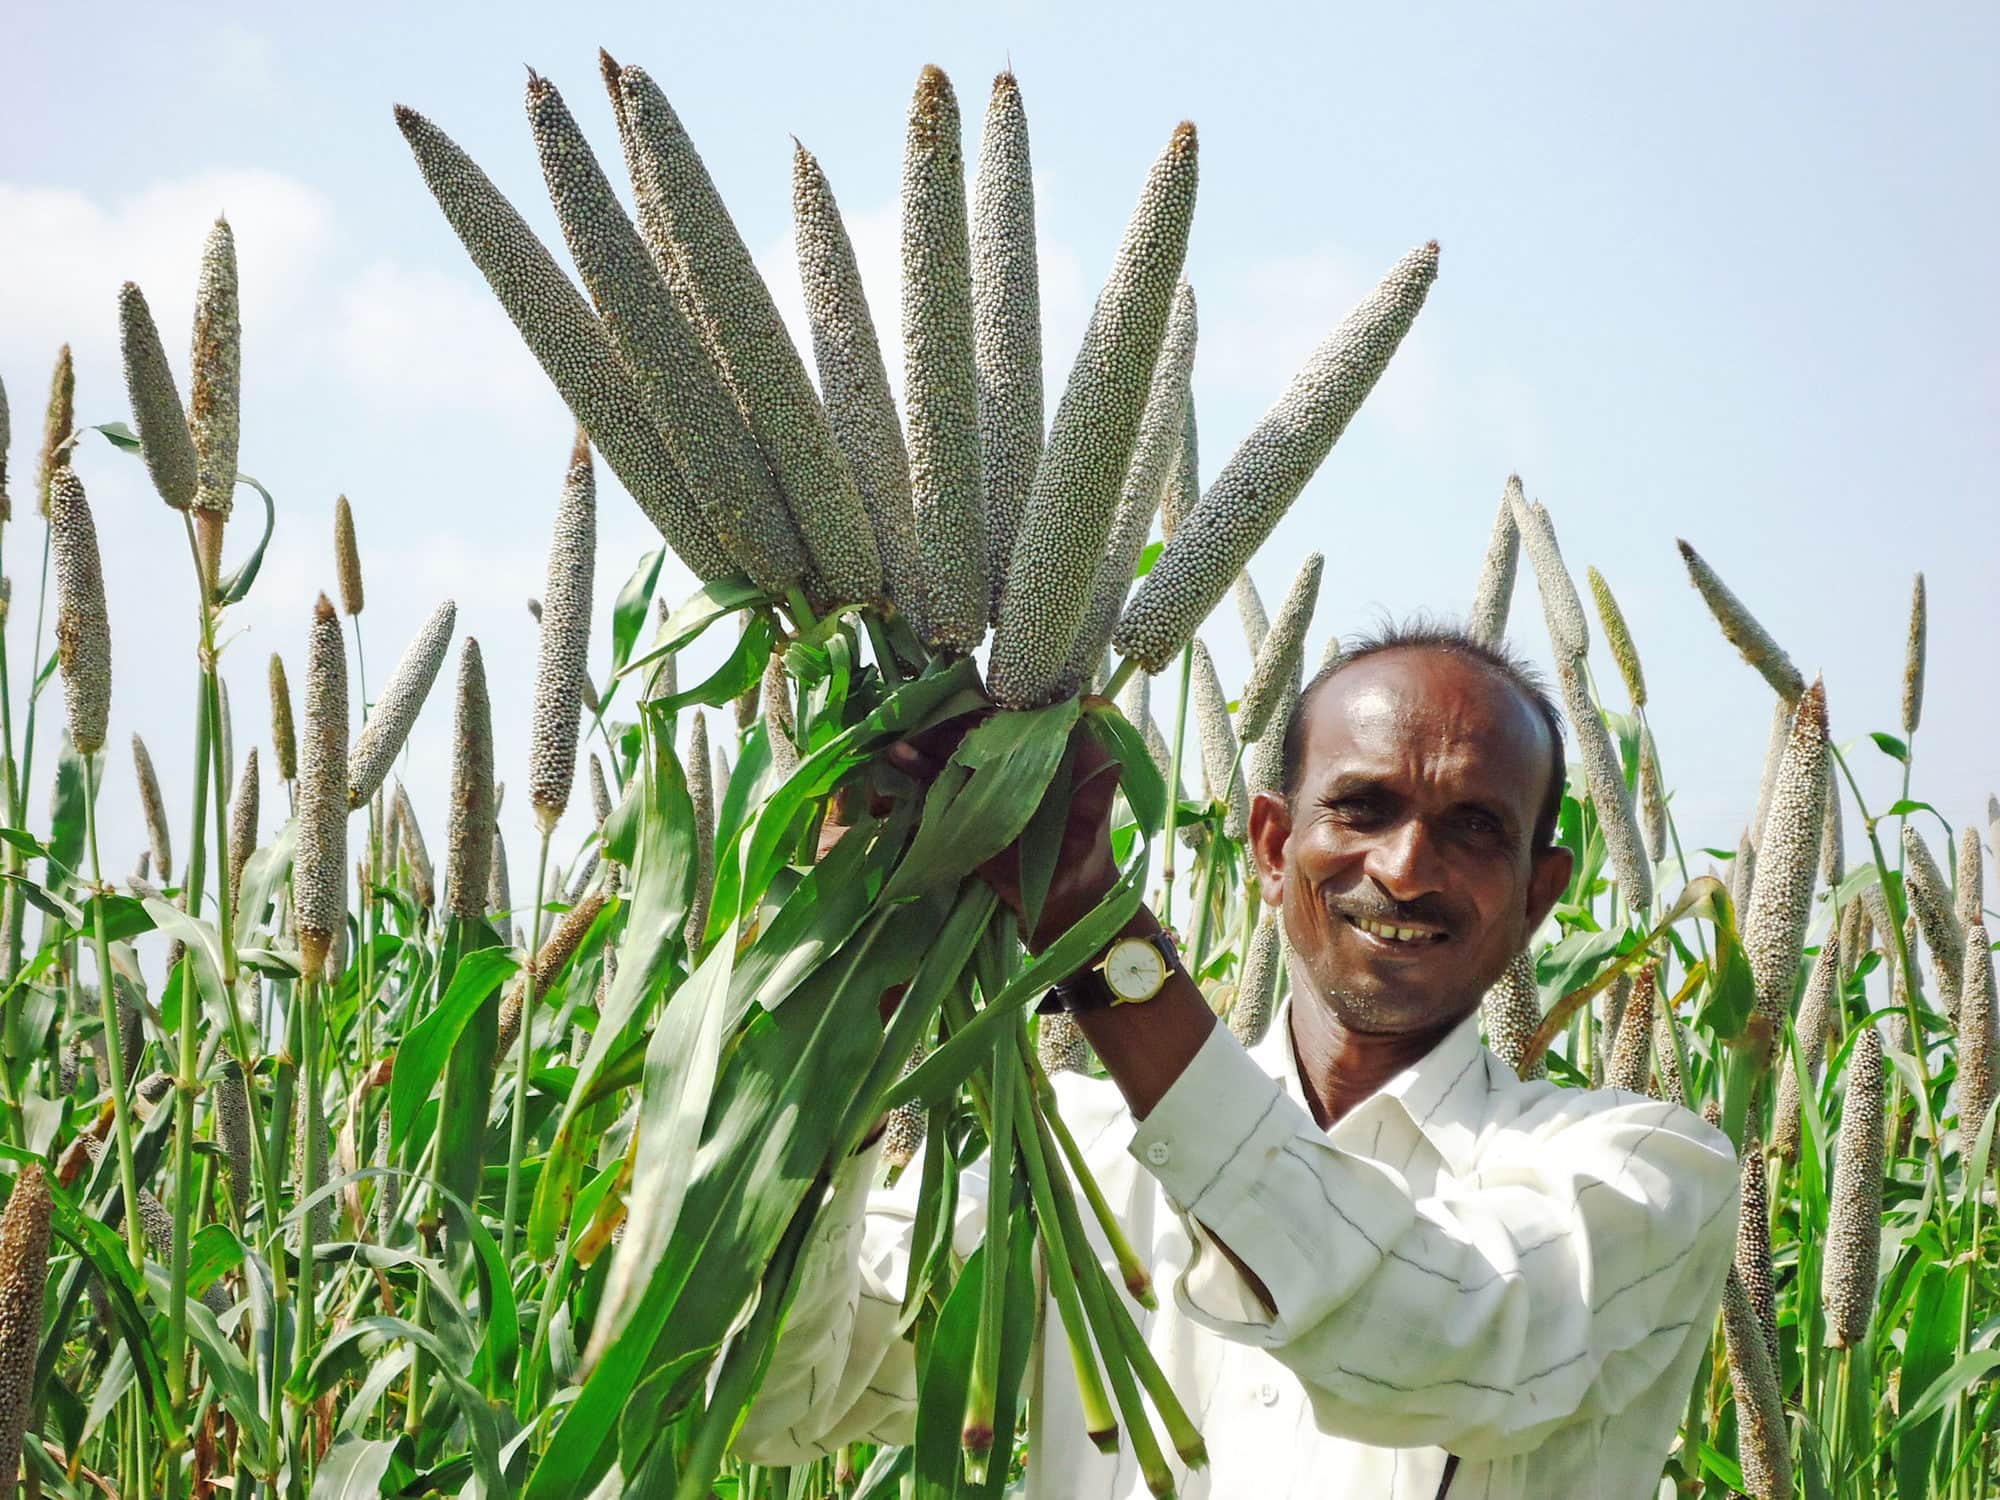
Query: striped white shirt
[1520,1274]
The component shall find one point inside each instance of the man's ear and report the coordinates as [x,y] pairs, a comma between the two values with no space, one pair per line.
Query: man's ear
[1270,828]
[1547,880]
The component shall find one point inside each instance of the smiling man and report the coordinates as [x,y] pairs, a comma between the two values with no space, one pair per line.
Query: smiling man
[1397,1269]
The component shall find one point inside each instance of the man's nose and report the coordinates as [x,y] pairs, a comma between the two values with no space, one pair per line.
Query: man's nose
[1404,862]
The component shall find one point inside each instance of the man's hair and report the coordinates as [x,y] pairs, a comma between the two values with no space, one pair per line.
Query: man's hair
[1421,633]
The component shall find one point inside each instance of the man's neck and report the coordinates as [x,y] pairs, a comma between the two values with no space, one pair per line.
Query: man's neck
[1338,1066]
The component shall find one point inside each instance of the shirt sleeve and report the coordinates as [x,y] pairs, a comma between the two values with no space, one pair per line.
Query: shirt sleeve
[842,1372]
[1555,1282]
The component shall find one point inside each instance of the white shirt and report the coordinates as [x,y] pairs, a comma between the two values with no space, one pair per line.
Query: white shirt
[1522,1274]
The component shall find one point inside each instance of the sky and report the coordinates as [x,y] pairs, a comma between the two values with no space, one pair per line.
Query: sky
[1703,276]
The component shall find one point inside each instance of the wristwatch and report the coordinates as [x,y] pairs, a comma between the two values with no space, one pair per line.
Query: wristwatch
[1132,971]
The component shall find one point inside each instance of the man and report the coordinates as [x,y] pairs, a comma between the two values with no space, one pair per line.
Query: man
[1396,1269]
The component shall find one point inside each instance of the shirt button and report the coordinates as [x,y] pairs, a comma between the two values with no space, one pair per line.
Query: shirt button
[1158,1153]
[1268,1394]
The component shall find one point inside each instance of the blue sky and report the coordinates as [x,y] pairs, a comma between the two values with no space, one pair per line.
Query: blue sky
[1713,272]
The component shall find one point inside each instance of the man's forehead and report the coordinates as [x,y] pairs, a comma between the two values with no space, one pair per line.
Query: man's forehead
[1437,705]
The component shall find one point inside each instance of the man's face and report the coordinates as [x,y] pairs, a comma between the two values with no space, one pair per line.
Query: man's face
[1405,866]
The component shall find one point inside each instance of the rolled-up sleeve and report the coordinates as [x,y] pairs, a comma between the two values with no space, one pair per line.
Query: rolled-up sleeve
[1553,1281]
[842,1371]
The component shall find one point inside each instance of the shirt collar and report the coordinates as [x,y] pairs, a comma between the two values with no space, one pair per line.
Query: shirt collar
[1445,1093]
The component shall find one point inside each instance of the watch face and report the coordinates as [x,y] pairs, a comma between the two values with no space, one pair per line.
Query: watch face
[1134,970]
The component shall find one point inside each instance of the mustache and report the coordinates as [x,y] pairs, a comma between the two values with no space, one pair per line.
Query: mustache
[1424,911]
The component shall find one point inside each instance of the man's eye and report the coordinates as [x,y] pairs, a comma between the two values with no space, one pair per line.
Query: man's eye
[1480,825]
[1356,810]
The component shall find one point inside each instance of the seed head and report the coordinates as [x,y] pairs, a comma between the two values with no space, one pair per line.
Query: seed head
[1006,323]
[1066,522]
[1618,637]
[1271,466]
[1742,630]
[499,898]
[1774,755]
[214,397]
[1816,1011]
[697,419]
[58,427]
[388,1191]
[1667,1030]
[283,741]
[702,794]
[1968,898]
[940,387]
[415,851]
[232,1130]
[1630,1065]
[1978,1037]
[310,1159]
[565,643]
[1060,1046]
[1145,482]
[557,949]
[852,381]
[903,1132]
[1257,984]
[1275,670]
[1606,779]
[347,558]
[24,1262]
[1512,1010]
[779,725]
[156,403]
[1774,923]
[1913,661]
[1762,1439]
[1652,797]
[1491,601]
[242,826]
[574,349]
[153,807]
[319,864]
[1931,904]
[402,699]
[745,336]
[470,837]
[1569,631]
[1183,487]
[1854,1219]
[1218,745]
[1832,842]
[83,629]
[1753,1248]
[1250,610]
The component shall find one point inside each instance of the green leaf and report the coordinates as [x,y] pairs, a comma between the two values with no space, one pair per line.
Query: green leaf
[353,1347]
[1730,992]
[468,1069]
[709,603]
[634,599]
[1138,778]
[740,671]
[953,1062]
[1890,746]
[945,1369]
[66,817]
[662,886]
[1905,807]
[1930,1340]
[121,436]
[421,1057]
[1012,758]
[236,587]
[353,1469]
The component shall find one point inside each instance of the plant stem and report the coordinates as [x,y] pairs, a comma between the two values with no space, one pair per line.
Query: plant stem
[107,1002]
[517,1139]
[976,1433]
[1120,675]
[1174,788]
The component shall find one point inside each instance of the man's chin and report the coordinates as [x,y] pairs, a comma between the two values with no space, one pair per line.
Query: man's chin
[1373,1011]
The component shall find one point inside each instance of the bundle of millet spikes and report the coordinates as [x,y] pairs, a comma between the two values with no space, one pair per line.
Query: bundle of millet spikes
[869,553]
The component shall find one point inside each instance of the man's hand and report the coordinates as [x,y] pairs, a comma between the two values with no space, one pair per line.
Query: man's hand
[1084,868]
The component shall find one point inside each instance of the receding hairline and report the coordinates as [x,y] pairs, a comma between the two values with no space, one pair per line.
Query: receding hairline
[1497,661]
